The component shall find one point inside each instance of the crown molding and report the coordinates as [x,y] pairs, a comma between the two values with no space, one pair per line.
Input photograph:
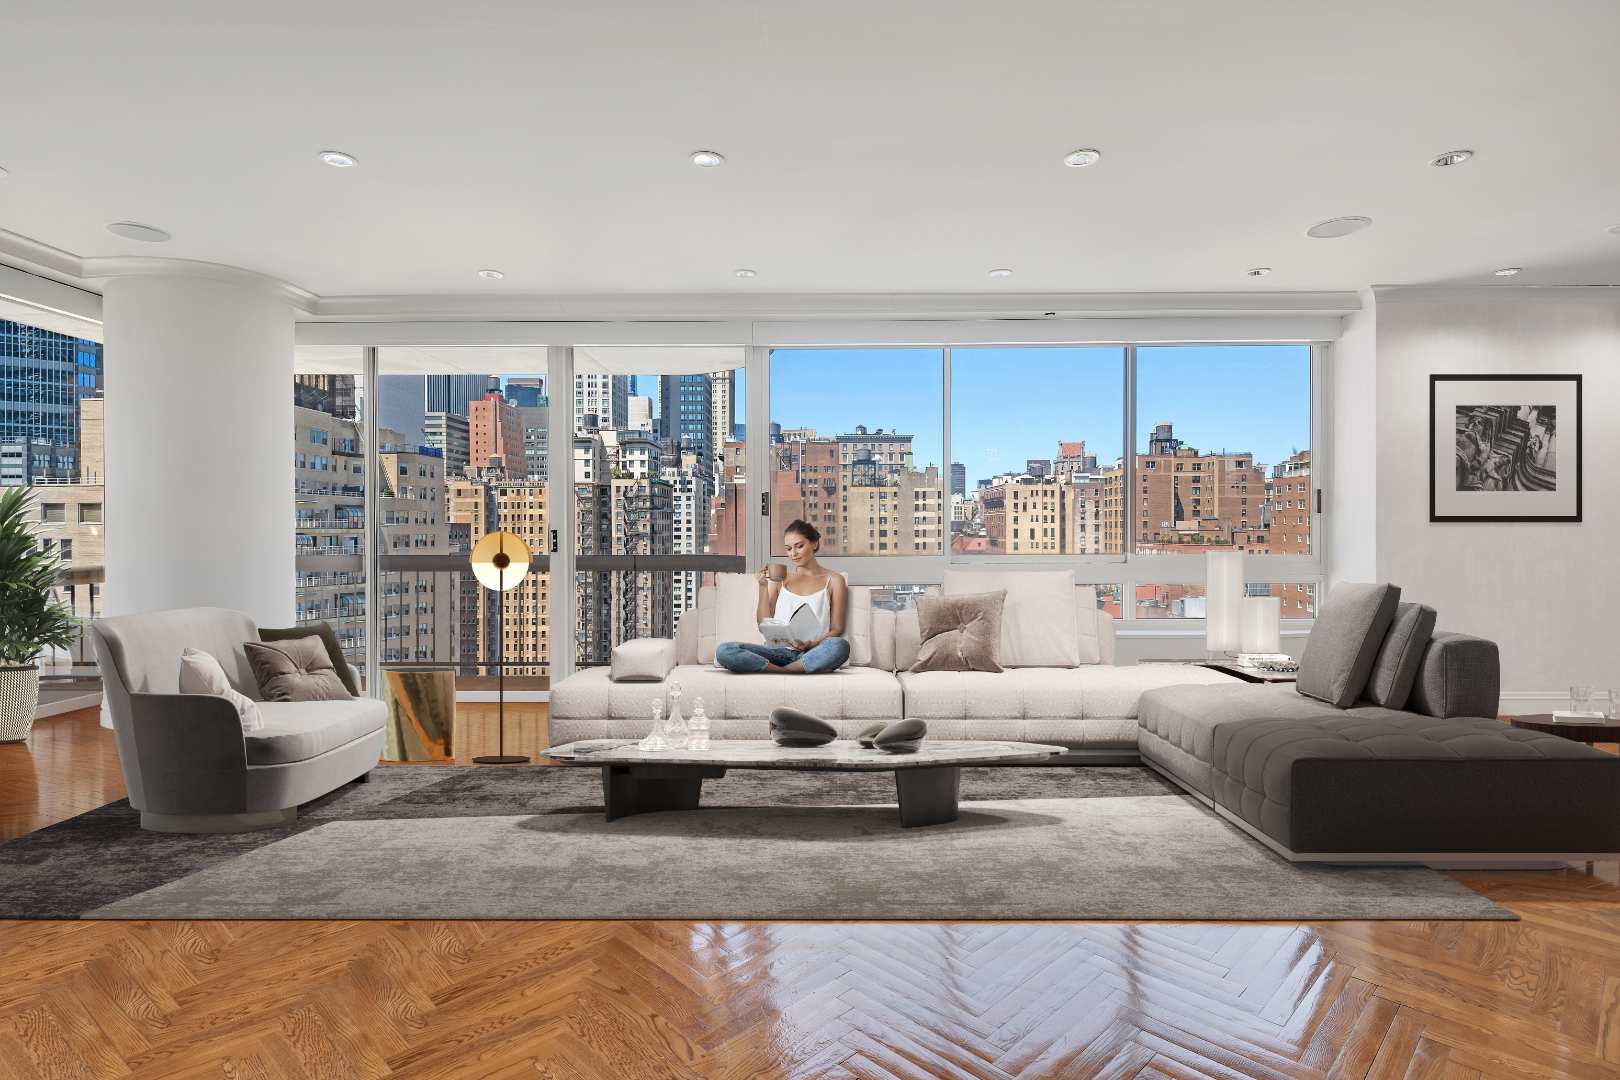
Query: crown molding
[65,268]
[101,269]
[1495,294]
[841,306]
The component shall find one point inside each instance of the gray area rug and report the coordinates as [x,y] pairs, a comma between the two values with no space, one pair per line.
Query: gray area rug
[96,858]
[1132,857]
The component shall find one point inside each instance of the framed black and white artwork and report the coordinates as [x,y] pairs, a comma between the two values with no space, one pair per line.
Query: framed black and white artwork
[1504,448]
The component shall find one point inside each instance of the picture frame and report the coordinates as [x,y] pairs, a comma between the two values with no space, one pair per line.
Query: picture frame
[1505,448]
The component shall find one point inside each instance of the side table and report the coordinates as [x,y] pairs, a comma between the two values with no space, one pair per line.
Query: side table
[421,715]
[1249,674]
[1605,731]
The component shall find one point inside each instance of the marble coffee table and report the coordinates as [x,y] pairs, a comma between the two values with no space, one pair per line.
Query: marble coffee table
[927,782]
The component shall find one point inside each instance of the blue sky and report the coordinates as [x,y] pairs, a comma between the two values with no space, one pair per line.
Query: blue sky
[1010,405]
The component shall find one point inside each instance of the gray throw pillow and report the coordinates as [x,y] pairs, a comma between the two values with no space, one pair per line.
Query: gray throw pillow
[1396,665]
[322,630]
[298,669]
[961,632]
[1350,626]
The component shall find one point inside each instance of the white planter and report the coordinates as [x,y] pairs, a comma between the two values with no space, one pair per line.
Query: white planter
[19,697]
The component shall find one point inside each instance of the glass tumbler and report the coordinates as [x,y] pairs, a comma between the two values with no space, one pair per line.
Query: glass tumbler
[1580,698]
[1614,704]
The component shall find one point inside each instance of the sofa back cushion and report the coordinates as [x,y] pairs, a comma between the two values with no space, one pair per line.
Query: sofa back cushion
[1350,627]
[1039,627]
[883,639]
[146,648]
[1397,662]
[1458,675]
[707,616]
[1089,647]
[907,638]
[686,636]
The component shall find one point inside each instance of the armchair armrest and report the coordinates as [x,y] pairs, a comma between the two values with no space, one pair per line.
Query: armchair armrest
[643,660]
[191,753]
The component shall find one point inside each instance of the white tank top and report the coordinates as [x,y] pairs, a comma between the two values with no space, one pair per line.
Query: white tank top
[818,602]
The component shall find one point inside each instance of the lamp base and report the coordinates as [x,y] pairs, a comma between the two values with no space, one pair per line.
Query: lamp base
[500,759]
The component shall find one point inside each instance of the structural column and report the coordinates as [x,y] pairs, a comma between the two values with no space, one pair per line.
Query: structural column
[199,447]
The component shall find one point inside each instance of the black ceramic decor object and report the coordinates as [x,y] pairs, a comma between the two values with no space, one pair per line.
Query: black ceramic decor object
[790,727]
[868,733]
[902,737]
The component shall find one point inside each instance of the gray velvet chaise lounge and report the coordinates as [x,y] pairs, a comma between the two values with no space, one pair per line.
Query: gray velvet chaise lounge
[1405,763]
[187,763]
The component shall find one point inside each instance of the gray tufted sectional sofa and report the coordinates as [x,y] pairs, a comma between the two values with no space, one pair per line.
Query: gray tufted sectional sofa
[1400,766]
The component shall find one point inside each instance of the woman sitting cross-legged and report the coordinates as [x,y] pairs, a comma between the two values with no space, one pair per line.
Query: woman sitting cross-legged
[808,585]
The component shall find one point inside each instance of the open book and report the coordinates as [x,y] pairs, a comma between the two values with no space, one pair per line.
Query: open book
[803,626]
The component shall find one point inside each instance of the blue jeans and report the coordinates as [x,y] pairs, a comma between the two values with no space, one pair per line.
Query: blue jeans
[746,658]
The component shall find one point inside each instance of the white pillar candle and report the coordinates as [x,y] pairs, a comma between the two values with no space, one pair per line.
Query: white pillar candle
[1262,624]
[1223,600]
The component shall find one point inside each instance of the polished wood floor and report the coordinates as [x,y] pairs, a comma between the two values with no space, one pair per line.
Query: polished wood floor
[880,1001]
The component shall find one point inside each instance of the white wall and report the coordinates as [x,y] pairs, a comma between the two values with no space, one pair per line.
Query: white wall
[1545,592]
[199,447]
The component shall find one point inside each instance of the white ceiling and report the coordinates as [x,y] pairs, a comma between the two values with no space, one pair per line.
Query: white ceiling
[899,147]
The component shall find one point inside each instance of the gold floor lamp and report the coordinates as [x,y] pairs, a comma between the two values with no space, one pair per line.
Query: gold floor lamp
[500,561]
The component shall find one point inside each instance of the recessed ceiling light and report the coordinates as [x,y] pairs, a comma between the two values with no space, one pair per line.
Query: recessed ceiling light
[339,159]
[1453,157]
[1508,271]
[1260,271]
[1081,158]
[706,159]
[744,273]
[135,231]
[2,172]
[1001,273]
[1339,226]
[493,275]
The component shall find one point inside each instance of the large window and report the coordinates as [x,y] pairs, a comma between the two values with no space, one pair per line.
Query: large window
[329,484]
[857,450]
[631,462]
[1035,444]
[51,413]
[1223,450]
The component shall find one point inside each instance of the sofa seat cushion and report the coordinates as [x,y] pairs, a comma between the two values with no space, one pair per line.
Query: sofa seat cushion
[589,705]
[300,730]
[1184,718]
[1042,704]
[1324,783]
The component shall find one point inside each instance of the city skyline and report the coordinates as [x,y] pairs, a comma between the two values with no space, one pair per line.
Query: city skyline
[811,388]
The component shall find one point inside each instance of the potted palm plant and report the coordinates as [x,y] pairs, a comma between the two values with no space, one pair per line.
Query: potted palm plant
[29,621]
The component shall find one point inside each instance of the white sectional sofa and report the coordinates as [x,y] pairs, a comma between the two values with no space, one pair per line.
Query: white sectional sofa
[1060,684]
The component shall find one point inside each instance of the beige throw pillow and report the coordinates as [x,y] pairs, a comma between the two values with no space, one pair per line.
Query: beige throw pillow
[961,632]
[297,669]
[200,673]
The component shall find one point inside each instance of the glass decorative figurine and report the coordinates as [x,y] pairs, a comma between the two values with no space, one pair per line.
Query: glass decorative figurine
[655,740]
[675,727]
[697,728]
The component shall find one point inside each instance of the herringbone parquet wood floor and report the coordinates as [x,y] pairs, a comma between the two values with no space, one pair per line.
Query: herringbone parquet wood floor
[286,1001]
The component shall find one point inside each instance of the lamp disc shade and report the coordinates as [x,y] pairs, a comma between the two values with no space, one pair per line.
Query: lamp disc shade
[501,560]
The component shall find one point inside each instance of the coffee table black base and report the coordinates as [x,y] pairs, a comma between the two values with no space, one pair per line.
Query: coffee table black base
[927,796]
[646,789]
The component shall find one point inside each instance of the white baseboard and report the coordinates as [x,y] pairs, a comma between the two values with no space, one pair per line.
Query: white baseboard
[67,704]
